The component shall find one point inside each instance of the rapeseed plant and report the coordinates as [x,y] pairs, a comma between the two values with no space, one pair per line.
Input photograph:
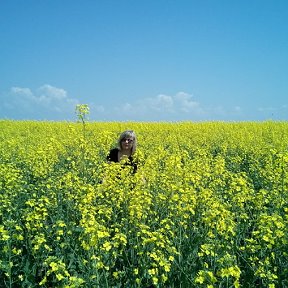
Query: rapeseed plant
[206,208]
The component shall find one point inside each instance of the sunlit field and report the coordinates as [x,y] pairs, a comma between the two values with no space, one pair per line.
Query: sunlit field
[208,206]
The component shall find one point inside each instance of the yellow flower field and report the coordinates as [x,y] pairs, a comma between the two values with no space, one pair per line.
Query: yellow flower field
[208,206]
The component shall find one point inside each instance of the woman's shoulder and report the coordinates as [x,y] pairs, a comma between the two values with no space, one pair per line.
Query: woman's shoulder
[114,150]
[113,155]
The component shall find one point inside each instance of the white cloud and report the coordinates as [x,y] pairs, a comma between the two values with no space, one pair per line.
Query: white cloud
[162,107]
[52,103]
[22,91]
[186,103]
[179,107]
[48,94]
[46,102]
[161,102]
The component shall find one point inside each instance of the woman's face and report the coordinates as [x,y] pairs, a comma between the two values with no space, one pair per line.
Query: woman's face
[127,143]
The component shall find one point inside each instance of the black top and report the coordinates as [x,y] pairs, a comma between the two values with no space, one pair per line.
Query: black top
[113,157]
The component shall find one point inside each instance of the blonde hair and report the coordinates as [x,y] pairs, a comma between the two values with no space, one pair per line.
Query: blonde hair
[128,134]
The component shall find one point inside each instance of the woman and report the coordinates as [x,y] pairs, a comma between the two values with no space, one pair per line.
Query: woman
[127,144]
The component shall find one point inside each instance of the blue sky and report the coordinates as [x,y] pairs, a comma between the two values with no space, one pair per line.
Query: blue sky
[152,60]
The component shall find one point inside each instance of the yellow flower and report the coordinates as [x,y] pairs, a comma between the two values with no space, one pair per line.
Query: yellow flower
[155,280]
[43,281]
[152,271]
[107,246]
[54,266]
[19,237]
[59,276]
[21,278]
